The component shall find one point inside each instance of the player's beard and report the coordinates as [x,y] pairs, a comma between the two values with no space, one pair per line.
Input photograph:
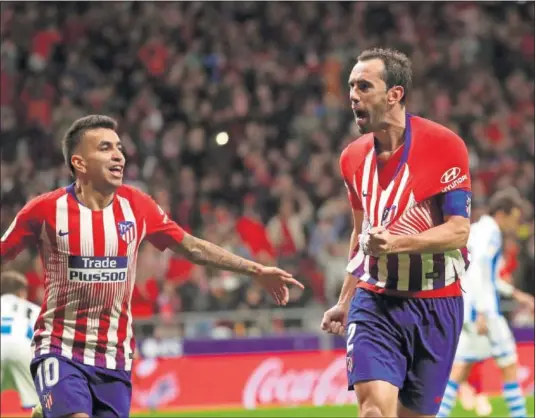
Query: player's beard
[375,119]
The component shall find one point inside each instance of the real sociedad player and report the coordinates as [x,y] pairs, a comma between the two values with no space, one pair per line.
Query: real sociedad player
[18,316]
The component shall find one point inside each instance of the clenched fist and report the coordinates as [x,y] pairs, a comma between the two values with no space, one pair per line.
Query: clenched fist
[380,241]
[334,320]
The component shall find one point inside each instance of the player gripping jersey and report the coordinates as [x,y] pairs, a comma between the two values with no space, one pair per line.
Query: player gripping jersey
[409,187]
[18,317]
[88,235]
[486,333]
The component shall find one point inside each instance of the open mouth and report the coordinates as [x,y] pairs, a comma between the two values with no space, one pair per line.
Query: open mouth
[116,170]
[361,116]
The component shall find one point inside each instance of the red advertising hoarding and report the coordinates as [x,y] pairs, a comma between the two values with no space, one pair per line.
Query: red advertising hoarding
[255,380]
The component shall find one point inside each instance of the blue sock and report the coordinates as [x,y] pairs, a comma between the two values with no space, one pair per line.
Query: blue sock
[449,399]
[515,400]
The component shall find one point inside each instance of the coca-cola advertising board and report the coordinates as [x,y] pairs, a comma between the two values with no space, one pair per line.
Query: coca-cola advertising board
[255,380]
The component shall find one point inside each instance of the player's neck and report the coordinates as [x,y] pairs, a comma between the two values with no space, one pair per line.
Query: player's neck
[392,137]
[92,198]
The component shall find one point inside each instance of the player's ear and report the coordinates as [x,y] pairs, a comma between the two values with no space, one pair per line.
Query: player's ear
[395,95]
[79,163]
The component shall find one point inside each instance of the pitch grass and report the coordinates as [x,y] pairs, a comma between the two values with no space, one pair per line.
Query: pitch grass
[499,410]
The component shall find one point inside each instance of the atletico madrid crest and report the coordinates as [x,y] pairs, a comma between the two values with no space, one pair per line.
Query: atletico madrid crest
[48,400]
[126,231]
[388,215]
[349,363]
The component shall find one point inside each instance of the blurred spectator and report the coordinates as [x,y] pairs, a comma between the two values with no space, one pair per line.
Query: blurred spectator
[286,230]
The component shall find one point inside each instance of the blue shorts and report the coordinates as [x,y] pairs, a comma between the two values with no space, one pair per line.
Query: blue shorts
[409,343]
[67,387]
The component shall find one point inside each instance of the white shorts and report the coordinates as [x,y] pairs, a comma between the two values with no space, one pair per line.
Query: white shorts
[499,343]
[15,358]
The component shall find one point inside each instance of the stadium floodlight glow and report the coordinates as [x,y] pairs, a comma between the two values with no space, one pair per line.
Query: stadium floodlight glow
[222,138]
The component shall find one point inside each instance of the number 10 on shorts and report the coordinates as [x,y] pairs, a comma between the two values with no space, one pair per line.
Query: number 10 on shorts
[48,373]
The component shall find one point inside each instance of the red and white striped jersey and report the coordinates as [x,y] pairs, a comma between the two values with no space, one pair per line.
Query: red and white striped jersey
[89,259]
[433,161]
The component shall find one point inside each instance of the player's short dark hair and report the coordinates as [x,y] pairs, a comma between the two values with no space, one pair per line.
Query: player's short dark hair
[72,138]
[397,67]
[12,282]
[505,201]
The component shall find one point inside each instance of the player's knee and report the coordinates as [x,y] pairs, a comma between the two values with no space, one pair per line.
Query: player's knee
[404,412]
[509,370]
[78,415]
[367,411]
[374,407]
[371,403]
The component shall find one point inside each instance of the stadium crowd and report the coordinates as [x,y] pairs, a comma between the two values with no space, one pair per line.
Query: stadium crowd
[234,114]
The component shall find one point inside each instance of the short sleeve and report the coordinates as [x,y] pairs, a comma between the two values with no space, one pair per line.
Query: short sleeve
[347,177]
[161,231]
[23,231]
[443,167]
[455,168]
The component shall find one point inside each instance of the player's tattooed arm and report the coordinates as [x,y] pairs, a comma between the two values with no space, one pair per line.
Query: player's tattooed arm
[272,279]
[202,252]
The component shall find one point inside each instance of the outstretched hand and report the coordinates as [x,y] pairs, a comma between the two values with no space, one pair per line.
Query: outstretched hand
[276,281]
